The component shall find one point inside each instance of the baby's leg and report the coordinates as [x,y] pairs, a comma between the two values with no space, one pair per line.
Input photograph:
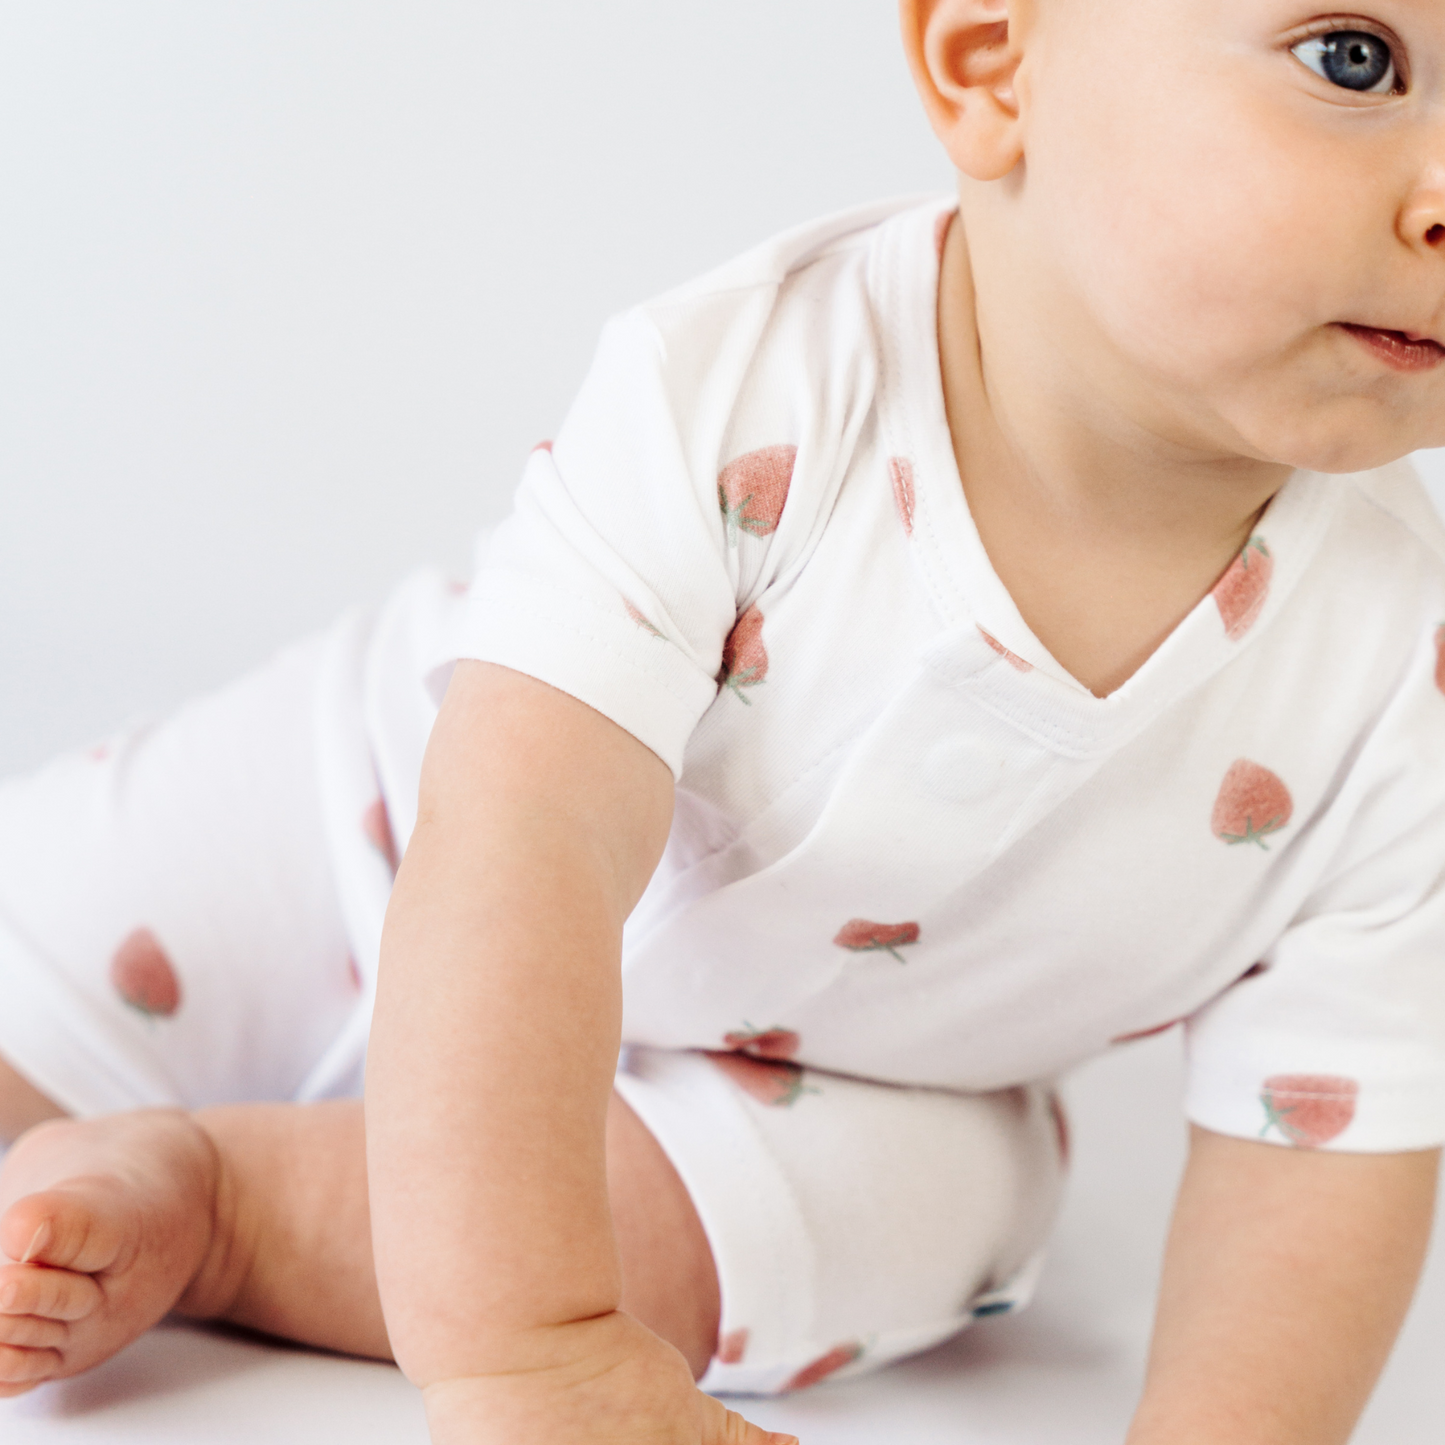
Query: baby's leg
[251,1213]
[107,1222]
[171,929]
[257,1215]
[172,935]
[22,1105]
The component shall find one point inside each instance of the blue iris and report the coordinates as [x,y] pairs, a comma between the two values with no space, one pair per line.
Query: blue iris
[1355,60]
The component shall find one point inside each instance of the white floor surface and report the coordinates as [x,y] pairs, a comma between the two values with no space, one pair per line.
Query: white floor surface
[1064,1372]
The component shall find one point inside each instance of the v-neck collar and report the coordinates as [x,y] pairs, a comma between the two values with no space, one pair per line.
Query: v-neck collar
[984,643]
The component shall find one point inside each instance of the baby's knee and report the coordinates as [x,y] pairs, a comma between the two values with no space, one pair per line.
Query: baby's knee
[669,1278]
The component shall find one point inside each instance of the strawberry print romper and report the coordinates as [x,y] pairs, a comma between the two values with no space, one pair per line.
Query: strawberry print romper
[916,871]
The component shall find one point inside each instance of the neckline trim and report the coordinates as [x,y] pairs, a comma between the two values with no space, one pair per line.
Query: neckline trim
[983,637]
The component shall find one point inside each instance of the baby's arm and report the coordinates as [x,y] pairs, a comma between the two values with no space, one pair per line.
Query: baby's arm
[491,1064]
[1286,1278]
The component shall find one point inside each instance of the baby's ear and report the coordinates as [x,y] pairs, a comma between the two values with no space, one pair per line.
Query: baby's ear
[965,55]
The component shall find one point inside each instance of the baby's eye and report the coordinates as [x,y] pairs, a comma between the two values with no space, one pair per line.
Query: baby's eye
[1353,59]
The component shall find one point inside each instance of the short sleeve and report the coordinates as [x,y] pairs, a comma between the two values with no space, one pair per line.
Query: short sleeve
[616,577]
[1336,1039]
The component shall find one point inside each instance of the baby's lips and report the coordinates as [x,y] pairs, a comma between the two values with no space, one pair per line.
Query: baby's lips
[1428,331]
[1422,343]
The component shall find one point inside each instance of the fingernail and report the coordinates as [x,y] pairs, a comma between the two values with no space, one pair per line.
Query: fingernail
[38,1242]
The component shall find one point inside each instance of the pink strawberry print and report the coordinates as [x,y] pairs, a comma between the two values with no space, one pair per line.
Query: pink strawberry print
[732,1347]
[774,1043]
[744,658]
[640,618]
[1440,657]
[1308,1109]
[544,446]
[900,472]
[829,1364]
[1012,658]
[1252,803]
[1240,594]
[376,824]
[770,1081]
[144,976]
[862,935]
[752,489]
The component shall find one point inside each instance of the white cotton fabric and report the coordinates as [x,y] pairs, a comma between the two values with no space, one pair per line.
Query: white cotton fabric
[206,842]
[851,1223]
[898,749]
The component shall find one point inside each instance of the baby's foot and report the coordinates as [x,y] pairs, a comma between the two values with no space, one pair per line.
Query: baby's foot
[108,1223]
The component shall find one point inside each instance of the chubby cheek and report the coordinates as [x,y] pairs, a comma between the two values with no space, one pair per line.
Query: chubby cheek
[1210,257]
[1185,249]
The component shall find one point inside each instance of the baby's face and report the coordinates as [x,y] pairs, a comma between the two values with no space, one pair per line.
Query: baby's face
[1243,202]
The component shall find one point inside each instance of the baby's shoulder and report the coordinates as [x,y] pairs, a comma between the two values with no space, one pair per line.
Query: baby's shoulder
[764,371]
[772,263]
[1388,540]
[1369,604]
[798,304]
[1394,501]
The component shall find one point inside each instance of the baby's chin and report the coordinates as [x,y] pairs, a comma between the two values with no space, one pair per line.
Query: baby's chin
[1337,447]
[1310,423]
[1312,402]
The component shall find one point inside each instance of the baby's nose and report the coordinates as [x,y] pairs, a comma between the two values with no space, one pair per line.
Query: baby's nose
[1422,221]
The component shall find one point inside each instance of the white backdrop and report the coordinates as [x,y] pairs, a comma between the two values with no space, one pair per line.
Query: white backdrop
[287,290]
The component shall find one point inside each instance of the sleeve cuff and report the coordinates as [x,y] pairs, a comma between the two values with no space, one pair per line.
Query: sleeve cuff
[628,673]
[1363,1100]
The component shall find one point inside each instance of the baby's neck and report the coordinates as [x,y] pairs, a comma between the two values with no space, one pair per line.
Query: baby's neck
[1105,533]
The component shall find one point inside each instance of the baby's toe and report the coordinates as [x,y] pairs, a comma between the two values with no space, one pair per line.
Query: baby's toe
[55,1294]
[26,1368]
[84,1224]
[30,1332]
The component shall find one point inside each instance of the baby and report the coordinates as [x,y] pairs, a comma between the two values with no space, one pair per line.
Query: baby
[951,639]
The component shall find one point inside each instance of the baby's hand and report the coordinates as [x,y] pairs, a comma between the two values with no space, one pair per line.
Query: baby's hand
[607,1381]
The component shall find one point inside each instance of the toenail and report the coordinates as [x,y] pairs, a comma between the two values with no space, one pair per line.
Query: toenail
[38,1242]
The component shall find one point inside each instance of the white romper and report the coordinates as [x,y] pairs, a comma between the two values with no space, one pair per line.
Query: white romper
[916,870]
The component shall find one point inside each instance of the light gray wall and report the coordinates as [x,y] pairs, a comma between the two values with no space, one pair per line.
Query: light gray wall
[288,289]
